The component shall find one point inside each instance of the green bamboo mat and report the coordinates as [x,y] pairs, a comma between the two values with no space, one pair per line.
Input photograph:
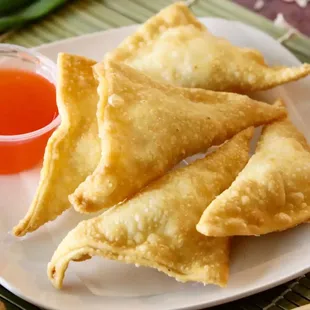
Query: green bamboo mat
[86,16]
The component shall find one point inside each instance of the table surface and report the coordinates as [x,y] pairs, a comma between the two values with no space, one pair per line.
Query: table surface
[294,14]
[84,16]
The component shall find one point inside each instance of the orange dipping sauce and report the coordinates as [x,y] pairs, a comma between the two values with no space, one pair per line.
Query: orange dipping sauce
[27,104]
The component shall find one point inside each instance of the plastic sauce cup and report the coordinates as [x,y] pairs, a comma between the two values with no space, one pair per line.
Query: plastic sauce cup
[23,151]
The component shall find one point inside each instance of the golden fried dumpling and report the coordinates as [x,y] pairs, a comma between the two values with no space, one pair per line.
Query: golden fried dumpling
[146,128]
[174,47]
[73,151]
[271,194]
[157,227]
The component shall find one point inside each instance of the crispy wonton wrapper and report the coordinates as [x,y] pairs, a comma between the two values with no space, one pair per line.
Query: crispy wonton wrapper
[174,47]
[73,151]
[146,128]
[271,194]
[157,229]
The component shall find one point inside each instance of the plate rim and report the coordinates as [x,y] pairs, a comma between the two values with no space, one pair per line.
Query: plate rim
[206,305]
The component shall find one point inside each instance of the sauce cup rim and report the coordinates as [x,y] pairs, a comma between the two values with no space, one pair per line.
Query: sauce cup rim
[43,61]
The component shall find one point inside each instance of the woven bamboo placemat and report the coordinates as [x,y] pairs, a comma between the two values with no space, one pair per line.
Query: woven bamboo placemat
[86,16]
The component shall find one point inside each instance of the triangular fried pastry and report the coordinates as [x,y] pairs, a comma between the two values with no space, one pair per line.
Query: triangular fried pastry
[73,151]
[146,128]
[157,228]
[174,47]
[271,194]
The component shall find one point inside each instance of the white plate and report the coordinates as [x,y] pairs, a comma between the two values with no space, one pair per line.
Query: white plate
[257,263]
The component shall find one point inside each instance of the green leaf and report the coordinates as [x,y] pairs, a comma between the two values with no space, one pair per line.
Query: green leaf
[33,11]
[9,6]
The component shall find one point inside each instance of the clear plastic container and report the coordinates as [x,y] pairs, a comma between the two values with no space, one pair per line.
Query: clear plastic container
[23,151]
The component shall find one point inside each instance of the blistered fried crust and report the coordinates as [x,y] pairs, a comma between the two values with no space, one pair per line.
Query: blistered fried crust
[271,194]
[146,128]
[173,16]
[73,151]
[174,47]
[156,228]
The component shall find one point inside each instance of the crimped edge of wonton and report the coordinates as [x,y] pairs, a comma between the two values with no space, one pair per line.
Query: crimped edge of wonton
[175,15]
[31,223]
[57,267]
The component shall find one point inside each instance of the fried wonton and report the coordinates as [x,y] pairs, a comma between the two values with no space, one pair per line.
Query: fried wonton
[157,228]
[146,128]
[73,151]
[174,47]
[271,194]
